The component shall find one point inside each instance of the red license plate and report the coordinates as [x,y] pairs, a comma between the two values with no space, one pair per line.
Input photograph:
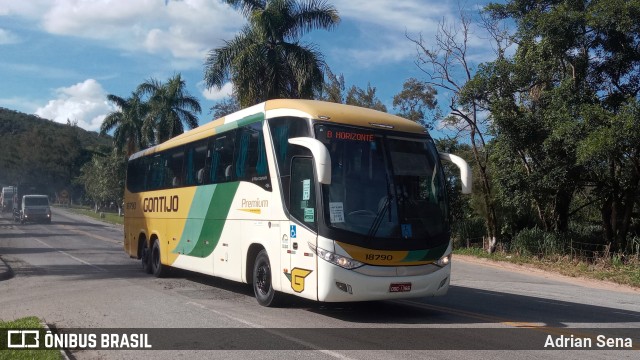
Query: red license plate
[400,287]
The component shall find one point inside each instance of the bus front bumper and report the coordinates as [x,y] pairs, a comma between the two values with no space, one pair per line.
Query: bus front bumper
[342,285]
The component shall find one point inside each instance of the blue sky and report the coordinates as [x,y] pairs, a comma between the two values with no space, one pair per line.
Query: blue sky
[60,58]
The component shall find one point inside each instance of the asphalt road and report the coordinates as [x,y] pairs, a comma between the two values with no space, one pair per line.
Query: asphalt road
[73,274]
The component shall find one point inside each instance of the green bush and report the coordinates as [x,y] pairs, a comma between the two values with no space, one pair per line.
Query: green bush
[537,242]
[463,230]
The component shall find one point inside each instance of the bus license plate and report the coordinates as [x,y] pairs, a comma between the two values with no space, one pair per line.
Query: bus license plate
[400,287]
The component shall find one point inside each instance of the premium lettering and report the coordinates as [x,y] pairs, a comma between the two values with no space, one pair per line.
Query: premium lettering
[257,203]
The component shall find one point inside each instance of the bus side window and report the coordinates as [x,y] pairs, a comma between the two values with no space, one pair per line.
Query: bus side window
[302,191]
[283,129]
[136,175]
[251,156]
[195,163]
[155,180]
[222,158]
[243,142]
[174,162]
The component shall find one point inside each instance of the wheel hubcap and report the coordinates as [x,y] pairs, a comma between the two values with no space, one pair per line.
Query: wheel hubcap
[263,278]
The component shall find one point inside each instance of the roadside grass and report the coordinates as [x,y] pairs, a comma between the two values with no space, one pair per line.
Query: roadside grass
[607,269]
[111,218]
[27,323]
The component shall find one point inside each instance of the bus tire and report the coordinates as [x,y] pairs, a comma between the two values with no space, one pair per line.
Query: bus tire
[145,256]
[157,268]
[262,281]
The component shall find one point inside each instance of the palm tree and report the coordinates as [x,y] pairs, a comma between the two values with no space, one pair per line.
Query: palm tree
[266,60]
[128,123]
[170,108]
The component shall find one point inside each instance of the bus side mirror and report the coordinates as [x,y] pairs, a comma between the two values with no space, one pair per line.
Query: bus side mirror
[320,155]
[465,170]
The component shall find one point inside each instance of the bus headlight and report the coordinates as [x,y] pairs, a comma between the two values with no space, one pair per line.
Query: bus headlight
[342,261]
[444,261]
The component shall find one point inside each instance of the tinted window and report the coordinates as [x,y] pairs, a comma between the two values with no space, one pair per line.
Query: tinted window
[136,173]
[174,162]
[236,155]
[282,129]
[303,191]
[36,201]
[221,169]
[250,163]
[195,162]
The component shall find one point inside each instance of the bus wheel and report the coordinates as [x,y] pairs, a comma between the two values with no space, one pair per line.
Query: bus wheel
[262,284]
[157,269]
[144,256]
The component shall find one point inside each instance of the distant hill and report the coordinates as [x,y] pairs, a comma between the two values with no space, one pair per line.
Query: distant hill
[43,154]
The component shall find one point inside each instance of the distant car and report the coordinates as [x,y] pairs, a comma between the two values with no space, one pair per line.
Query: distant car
[35,208]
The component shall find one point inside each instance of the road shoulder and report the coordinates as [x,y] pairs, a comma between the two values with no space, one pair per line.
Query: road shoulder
[531,270]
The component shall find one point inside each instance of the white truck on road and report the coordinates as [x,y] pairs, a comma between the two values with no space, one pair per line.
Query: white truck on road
[34,208]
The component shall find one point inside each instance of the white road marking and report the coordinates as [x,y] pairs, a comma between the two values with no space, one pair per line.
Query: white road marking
[71,256]
[274,332]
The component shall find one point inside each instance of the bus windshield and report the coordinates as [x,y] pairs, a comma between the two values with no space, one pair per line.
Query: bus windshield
[383,185]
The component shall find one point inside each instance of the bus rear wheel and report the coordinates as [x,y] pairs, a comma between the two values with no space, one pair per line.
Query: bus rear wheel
[157,268]
[145,256]
[262,281]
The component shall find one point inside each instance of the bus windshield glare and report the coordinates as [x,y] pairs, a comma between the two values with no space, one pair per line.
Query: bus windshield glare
[383,185]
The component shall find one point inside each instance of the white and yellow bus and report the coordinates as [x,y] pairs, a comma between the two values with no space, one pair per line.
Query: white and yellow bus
[325,201]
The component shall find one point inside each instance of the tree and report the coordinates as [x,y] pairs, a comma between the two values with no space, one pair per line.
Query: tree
[565,108]
[103,178]
[127,123]
[447,67]
[414,100]
[266,60]
[364,98]
[225,107]
[170,108]
[333,90]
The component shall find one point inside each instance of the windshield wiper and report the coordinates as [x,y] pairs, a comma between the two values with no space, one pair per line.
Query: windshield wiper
[375,225]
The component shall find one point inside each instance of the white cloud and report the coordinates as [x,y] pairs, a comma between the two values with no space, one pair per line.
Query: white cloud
[216,94]
[183,29]
[30,9]
[7,37]
[383,26]
[383,50]
[409,15]
[85,102]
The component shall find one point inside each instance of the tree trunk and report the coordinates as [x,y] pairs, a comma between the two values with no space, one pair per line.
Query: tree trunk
[490,217]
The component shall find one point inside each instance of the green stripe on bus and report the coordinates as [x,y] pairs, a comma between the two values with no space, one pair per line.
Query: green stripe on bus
[239,123]
[426,255]
[217,212]
[195,220]
[226,127]
[251,119]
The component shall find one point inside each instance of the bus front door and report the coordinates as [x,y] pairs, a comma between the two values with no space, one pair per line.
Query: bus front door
[301,235]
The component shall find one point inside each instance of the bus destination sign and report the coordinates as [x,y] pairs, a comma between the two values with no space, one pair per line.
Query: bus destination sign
[349,135]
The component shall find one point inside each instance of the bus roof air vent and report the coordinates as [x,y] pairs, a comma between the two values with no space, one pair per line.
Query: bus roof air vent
[384,126]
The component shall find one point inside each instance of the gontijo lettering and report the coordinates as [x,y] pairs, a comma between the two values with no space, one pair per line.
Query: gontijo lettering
[160,204]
